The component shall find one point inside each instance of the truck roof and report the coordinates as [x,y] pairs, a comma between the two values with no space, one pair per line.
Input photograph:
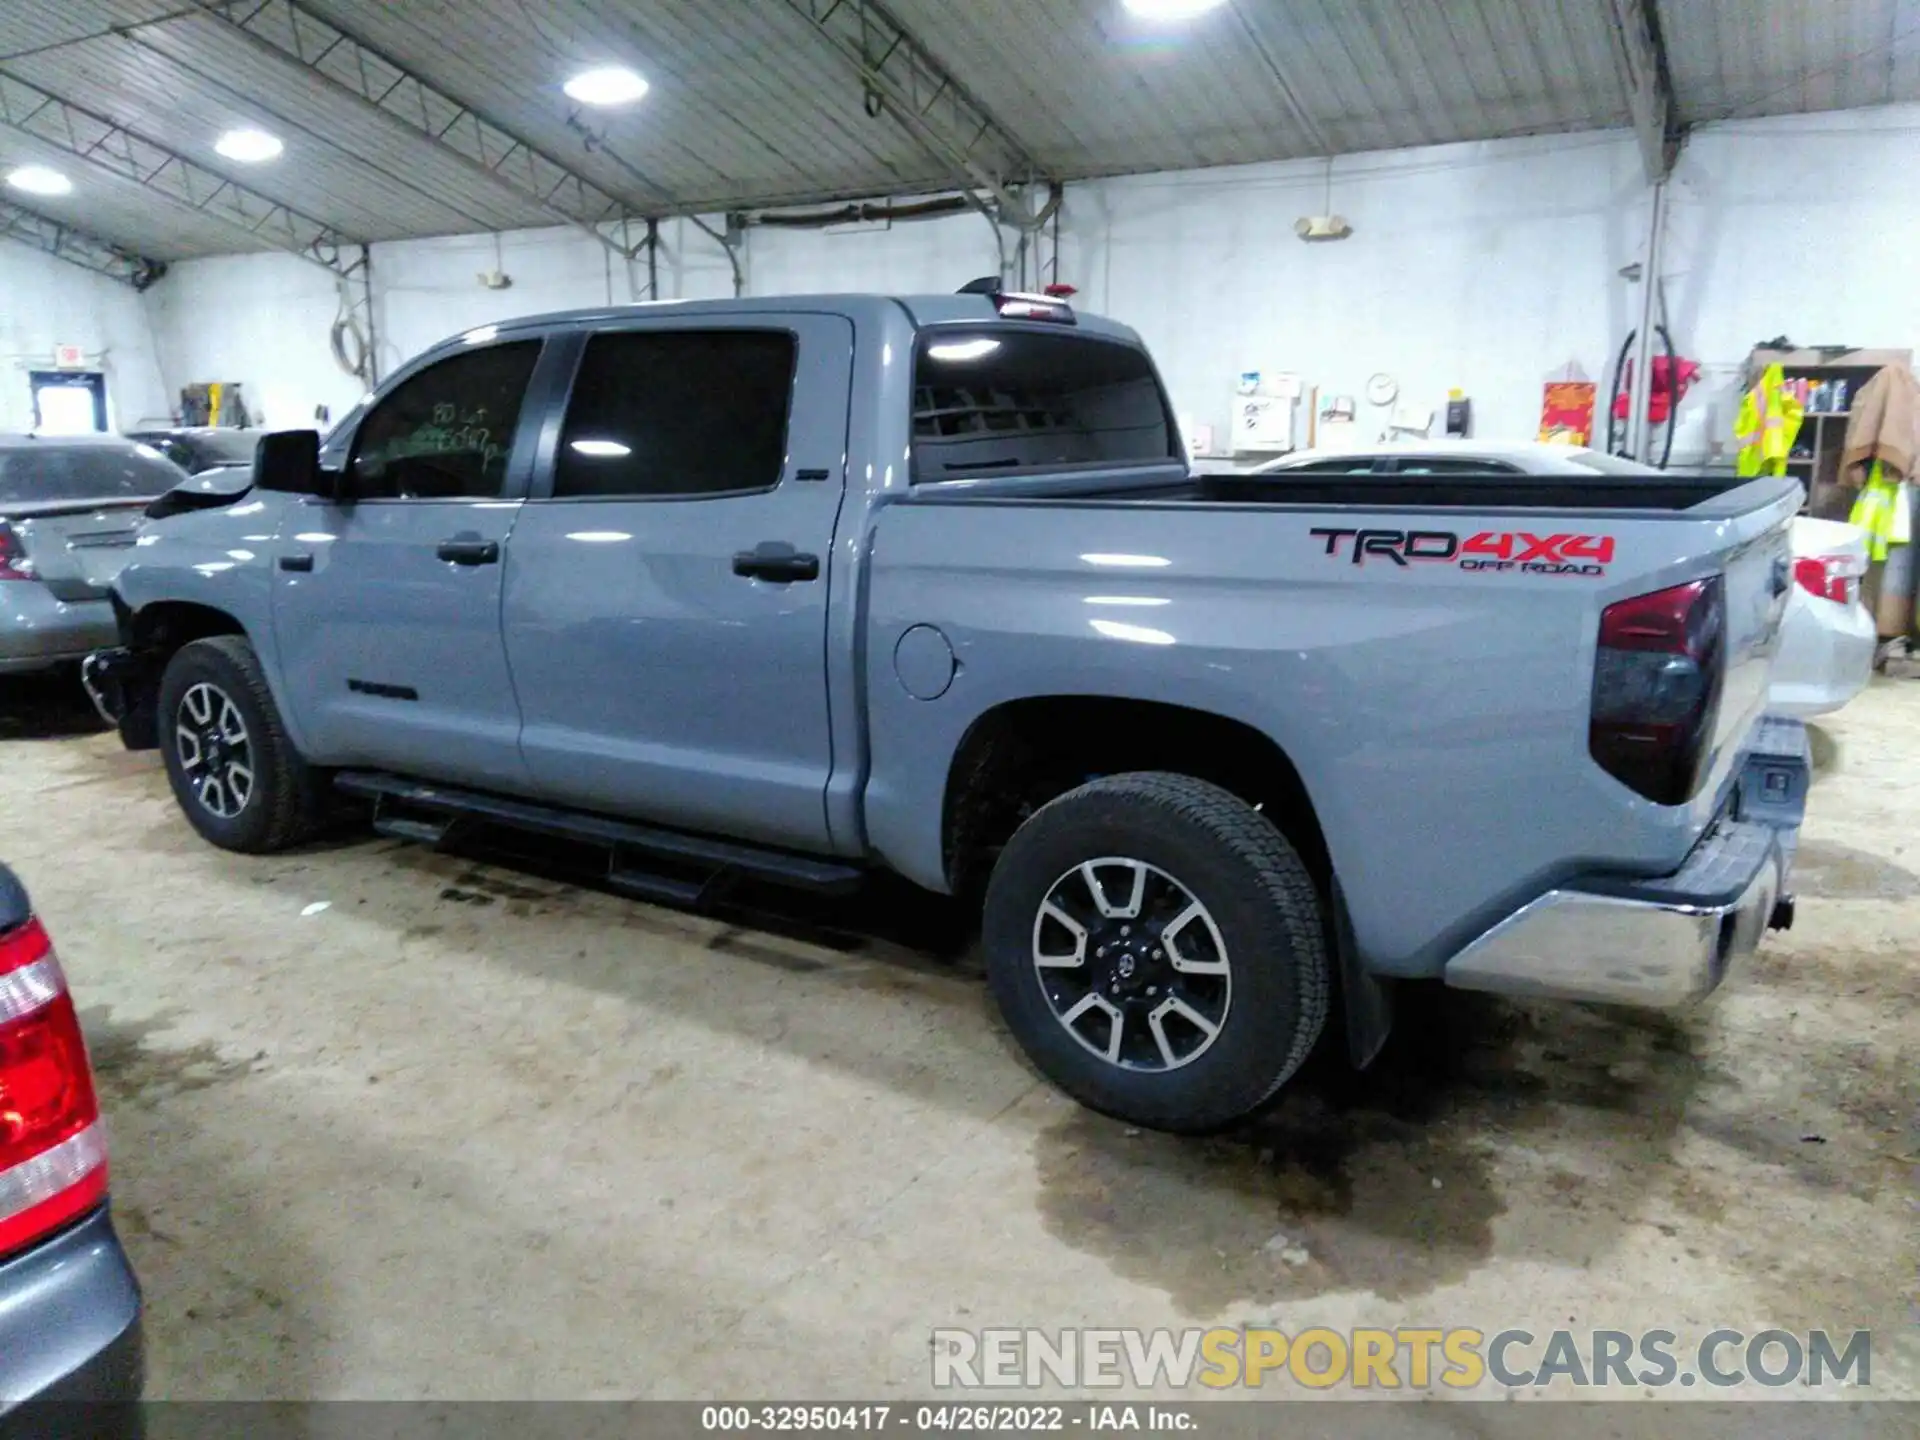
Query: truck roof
[920,309]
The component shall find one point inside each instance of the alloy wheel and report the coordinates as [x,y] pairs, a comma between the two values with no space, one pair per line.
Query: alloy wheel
[1132,964]
[215,750]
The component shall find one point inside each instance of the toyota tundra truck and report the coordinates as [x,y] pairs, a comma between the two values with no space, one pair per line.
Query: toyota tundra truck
[802,589]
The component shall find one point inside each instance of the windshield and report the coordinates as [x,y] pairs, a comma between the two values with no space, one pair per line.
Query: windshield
[1462,460]
[226,447]
[43,471]
[343,427]
[1602,464]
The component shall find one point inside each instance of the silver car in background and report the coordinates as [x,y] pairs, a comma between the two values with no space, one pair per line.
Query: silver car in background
[70,507]
[195,448]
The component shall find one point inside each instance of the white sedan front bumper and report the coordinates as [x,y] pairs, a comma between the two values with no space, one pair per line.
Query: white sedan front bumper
[1826,655]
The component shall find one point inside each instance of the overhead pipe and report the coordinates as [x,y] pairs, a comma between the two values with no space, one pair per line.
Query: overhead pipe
[1639,445]
[862,212]
[1056,192]
[867,211]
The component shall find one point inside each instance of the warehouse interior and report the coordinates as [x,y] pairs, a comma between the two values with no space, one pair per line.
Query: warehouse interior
[1486,156]
[391,1120]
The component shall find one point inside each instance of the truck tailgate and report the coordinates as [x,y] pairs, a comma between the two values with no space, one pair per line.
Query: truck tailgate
[1754,553]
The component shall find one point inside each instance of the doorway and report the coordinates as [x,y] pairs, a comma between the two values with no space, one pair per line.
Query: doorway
[68,402]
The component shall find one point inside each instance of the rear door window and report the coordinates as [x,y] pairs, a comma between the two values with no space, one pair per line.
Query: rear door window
[663,413]
[1005,401]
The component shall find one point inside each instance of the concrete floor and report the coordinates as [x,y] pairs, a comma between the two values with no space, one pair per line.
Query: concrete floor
[470,1132]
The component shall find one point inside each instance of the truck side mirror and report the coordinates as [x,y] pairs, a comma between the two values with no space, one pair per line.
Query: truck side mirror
[288,461]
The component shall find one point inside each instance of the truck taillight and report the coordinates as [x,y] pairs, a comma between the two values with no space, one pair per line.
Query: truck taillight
[1829,577]
[14,564]
[53,1155]
[1656,688]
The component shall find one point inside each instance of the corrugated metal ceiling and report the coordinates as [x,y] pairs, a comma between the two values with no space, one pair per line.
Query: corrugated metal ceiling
[1733,59]
[751,106]
[26,26]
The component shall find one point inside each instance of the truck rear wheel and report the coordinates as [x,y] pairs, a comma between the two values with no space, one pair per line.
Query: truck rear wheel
[234,772]
[1158,949]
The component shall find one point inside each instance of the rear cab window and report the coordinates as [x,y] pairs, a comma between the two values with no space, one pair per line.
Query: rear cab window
[999,400]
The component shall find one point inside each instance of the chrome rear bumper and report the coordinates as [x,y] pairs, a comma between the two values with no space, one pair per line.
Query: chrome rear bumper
[1663,942]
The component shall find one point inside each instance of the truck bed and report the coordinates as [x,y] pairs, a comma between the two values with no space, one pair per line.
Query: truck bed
[1500,490]
[1671,492]
[1422,649]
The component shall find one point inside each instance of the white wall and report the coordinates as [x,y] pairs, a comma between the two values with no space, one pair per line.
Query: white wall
[46,302]
[264,320]
[1805,226]
[1481,267]
[1491,267]
[259,320]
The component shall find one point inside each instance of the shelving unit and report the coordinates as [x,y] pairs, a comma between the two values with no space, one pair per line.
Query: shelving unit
[1823,434]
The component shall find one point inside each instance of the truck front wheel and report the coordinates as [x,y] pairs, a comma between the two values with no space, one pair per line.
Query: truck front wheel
[234,772]
[1158,949]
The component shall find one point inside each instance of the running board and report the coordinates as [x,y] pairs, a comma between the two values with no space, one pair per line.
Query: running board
[405,827]
[723,857]
[661,888]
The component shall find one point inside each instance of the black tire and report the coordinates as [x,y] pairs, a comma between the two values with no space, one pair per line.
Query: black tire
[282,803]
[1264,907]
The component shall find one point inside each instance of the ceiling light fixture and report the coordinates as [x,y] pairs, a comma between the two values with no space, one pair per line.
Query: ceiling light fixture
[39,180]
[1170,9]
[610,85]
[249,147]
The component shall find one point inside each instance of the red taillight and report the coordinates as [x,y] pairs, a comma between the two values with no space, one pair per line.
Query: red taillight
[1656,688]
[1830,577]
[14,564]
[53,1156]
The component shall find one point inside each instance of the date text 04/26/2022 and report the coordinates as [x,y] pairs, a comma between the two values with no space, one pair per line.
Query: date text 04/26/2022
[949,1418]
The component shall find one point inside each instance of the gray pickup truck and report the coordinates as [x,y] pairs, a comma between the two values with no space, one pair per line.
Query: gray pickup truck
[798,589]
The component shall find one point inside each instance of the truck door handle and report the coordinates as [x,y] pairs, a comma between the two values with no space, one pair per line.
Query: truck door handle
[470,552]
[771,560]
[300,564]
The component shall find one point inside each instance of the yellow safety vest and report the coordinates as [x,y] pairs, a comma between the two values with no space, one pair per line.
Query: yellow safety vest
[1768,422]
[1882,512]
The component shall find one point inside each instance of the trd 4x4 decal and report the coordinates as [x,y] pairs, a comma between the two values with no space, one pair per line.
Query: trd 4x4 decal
[1487,550]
